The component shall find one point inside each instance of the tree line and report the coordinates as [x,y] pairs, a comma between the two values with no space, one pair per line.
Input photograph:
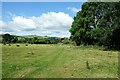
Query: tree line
[98,23]
[8,39]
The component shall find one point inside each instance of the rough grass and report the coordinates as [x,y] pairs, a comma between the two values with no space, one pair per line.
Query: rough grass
[58,61]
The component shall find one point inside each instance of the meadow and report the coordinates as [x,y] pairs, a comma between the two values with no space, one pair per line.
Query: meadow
[58,61]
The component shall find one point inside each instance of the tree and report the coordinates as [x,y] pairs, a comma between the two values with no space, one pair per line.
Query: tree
[15,40]
[114,38]
[7,38]
[97,23]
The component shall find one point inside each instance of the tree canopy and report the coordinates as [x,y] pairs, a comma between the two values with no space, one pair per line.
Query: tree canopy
[97,24]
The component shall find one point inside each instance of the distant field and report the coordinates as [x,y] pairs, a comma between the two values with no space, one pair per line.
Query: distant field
[58,61]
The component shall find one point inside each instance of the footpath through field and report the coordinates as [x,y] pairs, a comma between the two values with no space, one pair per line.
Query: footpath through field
[46,61]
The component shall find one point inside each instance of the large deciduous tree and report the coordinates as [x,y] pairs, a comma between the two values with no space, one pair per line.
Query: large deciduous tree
[97,23]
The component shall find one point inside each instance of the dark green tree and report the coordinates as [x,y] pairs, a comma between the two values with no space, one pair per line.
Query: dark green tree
[97,24]
[7,38]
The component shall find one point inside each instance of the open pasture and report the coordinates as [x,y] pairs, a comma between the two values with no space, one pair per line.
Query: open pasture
[58,61]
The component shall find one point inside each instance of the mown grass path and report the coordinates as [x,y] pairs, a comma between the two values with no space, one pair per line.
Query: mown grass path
[44,63]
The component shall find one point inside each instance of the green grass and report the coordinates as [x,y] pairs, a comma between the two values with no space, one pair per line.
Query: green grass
[58,61]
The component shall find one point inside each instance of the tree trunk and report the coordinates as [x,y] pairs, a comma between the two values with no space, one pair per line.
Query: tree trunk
[77,43]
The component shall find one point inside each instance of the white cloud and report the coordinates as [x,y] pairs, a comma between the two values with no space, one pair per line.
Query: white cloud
[21,23]
[51,23]
[4,27]
[72,9]
[1,24]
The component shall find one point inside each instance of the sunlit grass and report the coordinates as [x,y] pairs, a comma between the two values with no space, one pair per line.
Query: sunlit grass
[58,61]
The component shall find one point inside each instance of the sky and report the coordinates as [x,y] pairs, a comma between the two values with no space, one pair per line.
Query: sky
[38,18]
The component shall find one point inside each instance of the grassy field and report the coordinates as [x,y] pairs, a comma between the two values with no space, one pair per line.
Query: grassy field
[58,61]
